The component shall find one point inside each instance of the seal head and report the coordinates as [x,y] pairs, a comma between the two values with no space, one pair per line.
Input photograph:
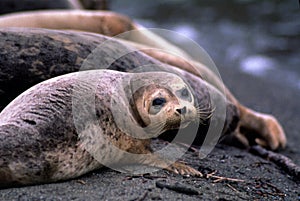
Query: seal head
[160,106]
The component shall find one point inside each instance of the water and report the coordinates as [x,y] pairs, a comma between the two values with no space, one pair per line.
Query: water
[257,37]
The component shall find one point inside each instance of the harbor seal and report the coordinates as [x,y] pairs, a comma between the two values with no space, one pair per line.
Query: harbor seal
[42,139]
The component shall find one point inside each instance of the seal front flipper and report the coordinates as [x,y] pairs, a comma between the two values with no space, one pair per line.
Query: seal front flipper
[180,168]
[175,167]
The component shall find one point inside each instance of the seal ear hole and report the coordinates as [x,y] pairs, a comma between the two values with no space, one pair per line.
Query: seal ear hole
[184,94]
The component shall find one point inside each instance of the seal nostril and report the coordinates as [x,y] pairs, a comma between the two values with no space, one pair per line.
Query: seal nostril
[182,110]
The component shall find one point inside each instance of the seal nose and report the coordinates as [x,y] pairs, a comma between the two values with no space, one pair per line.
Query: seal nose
[181,110]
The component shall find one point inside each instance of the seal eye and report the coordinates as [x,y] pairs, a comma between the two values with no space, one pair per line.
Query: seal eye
[158,102]
[157,105]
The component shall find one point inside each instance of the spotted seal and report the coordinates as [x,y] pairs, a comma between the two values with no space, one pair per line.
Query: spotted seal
[41,141]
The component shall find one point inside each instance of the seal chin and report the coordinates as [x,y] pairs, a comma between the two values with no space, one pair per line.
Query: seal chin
[184,123]
[179,116]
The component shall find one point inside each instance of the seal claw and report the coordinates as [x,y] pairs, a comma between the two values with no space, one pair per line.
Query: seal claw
[182,169]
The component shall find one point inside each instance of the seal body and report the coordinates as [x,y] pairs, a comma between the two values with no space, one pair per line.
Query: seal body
[49,132]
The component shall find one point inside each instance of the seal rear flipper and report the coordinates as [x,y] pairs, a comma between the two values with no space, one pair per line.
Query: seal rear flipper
[262,129]
[22,158]
[23,172]
[5,177]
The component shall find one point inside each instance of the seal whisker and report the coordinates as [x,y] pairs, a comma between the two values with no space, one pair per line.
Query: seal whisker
[205,108]
[156,127]
[204,113]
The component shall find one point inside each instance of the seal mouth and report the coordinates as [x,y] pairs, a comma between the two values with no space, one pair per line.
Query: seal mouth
[184,123]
